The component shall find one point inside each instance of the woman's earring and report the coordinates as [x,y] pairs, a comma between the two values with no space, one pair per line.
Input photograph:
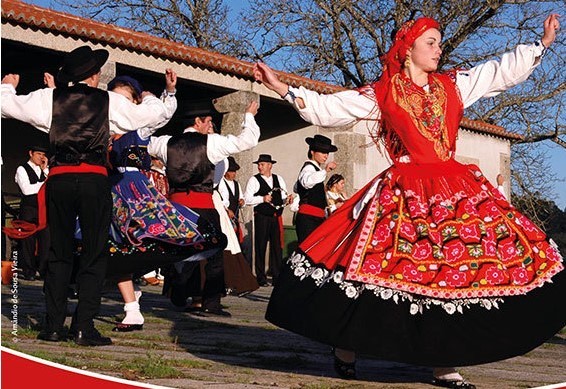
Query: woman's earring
[407,61]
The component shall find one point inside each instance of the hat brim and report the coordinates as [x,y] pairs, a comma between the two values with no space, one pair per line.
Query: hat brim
[99,56]
[233,168]
[322,148]
[40,149]
[258,161]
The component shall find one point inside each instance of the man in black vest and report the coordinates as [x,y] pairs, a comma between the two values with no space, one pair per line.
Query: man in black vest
[79,119]
[231,192]
[190,158]
[310,186]
[30,177]
[267,192]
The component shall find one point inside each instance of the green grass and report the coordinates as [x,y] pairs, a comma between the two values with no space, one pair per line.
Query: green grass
[150,367]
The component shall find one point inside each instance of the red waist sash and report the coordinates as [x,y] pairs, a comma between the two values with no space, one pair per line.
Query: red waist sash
[21,229]
[193,199]
[311,210]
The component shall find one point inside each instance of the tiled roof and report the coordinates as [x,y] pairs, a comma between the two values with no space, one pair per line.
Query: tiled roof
[19,13]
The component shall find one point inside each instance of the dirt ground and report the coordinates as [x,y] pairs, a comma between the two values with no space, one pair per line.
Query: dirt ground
[182,350]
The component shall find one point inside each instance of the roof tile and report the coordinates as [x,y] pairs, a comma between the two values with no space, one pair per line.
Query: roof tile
[20,13]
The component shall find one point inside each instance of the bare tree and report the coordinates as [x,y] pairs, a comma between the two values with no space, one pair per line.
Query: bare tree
[201,23]
[340,42]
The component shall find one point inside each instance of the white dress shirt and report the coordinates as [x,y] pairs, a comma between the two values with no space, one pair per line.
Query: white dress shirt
[309,176]
[485,80]
[253,186]
[22,179]
[225,194]
[218,147]
[36,108]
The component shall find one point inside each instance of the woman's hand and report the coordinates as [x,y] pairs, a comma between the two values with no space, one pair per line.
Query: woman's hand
[551,25]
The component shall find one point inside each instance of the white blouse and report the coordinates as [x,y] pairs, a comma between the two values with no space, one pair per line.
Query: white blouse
[485,80]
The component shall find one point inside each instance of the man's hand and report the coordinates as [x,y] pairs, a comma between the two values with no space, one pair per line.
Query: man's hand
[13,79]
[44,162]
[49,80]
[170,80]
[330,166]
[253,107]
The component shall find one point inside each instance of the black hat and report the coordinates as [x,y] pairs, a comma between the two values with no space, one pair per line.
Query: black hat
[41,148]
[265,158]
[232,164]
[321,144]
[81,63]
[199,108]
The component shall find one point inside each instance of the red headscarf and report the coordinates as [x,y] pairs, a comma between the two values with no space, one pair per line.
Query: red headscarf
[404,39]
[392,63]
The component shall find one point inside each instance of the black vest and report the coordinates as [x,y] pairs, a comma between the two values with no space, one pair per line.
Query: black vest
[188,167]
[31,200]
[79,126]
[276,198]
[233,198]
[315,196]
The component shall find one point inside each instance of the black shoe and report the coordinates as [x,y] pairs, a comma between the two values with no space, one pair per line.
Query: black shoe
[453,384]
[216,312]
[28,275]
[122,327]
[51,336]
[344,369]
[91,338]
[264,283]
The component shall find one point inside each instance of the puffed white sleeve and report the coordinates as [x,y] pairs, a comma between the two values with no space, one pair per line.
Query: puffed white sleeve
[493,77]
[34,108]
[126,116]
[334,110]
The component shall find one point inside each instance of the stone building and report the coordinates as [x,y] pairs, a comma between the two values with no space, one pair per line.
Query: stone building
[34,39]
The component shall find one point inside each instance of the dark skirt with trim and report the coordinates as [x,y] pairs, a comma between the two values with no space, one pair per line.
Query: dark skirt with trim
[386,329]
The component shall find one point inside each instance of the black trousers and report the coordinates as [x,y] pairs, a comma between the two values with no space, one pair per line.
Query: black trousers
[27,259]
[86,196]
[266,229]
[305,225]
[188,282]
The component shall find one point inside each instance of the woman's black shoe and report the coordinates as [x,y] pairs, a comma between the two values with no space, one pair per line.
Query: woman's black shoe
[344,369]
[453,384]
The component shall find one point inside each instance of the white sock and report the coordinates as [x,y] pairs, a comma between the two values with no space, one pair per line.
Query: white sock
[133,314]
[138,294]
[447,373]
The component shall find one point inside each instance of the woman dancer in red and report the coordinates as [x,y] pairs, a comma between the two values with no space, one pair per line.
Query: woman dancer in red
[428,263]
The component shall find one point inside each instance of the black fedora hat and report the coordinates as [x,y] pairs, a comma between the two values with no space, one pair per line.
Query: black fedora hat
[81,63]
[265,158]
[321,144]
[232,164]
[198,108]
[40,148]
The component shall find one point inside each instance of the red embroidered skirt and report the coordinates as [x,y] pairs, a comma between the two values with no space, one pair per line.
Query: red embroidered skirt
[431,253]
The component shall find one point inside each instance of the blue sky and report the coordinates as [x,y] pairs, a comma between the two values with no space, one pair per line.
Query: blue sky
[556,154]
